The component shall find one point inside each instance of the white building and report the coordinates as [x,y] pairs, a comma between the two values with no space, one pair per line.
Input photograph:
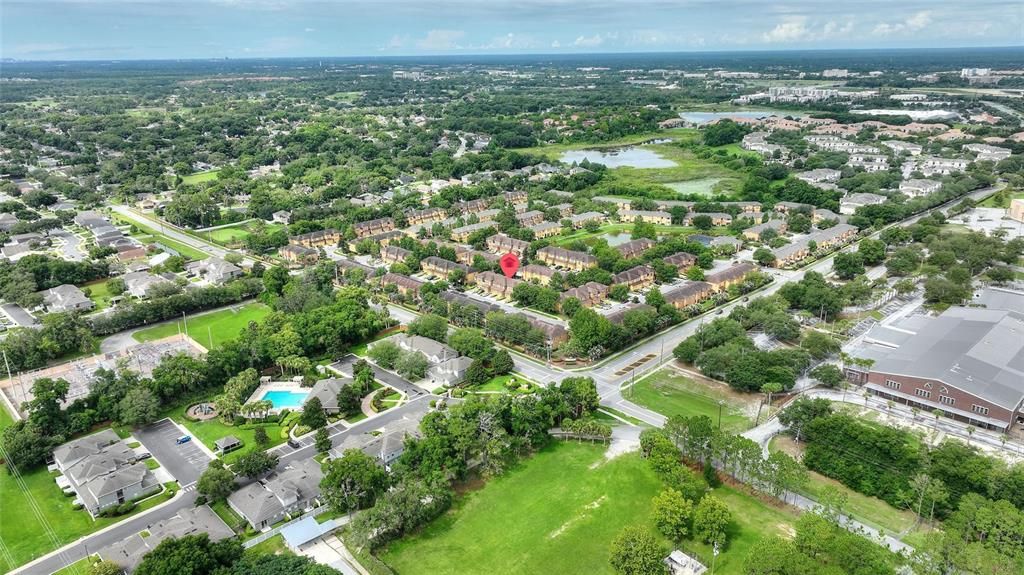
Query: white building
[919,187]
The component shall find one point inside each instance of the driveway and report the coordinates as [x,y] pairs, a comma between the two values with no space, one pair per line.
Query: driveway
[393,380]
[186,462]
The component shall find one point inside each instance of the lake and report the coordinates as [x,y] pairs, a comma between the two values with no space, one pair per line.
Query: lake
[705,117]
[703,186]
[631,157]
[617,239]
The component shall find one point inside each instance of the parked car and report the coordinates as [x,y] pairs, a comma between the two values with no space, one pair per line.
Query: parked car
[294,444]
[183,439]
[143,455]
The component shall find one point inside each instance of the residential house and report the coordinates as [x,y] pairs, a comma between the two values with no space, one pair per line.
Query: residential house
[141,284]
[589,294]
[869,162]
[442,268]
[682,261]
[496,285]
[721,280]
[901,147]
[298,255]
[821,214]
[717,218]
[792,207]
[580,220]
[450,372]
[619,315]
[373,227]
[918,187]
[564,210]
[283,493]
[214,270]
[281,217]
[530,218]
[824,239]
[1016,211]
[463,233]
[434,351]
[646,216]
[849,204]
[636,278]
[931,166]
[488,215]
[987,153]
[103,471]
[515,196]
[620,203]
[820,175]
[326,390]
[405,285]
[320,238]
[690,293]
[394,255]
[502,244]
[545,230]
[472,206]
[426,216]
[129,552]
[635,248]
[563,258]
[66,298]
[753,233]
[7,222]
[537,273]
[726,244]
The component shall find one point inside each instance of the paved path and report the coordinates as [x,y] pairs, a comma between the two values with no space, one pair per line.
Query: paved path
[176,233]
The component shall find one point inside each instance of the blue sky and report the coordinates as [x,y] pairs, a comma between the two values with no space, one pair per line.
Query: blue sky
[142,29]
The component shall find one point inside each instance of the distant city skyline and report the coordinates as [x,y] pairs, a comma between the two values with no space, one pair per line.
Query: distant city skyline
[153,29]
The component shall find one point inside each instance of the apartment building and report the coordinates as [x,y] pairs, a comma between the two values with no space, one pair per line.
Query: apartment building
[330,237]
[503,244]
[569,259]
[636,278]
[646,216]
[635,248]
[537,273]
[496,285]
[589,294]
[690,293]
[721,280]
[373,227]
[442,268]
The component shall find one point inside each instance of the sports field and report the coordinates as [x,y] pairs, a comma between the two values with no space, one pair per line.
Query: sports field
[199,177]
[671,393]
[558,513]
[210,329]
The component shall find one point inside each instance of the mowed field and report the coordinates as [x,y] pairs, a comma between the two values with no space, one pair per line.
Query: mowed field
[211,329]
[558,513]
[671,393]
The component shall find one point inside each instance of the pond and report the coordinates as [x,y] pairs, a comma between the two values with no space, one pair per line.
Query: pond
[703,186]
[631,157]
[617,239]
[705,117]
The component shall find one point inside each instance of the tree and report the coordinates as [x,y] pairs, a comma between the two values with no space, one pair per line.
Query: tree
[711,519]
[471,342]
[412,365]
[871,251]
[190,555]
[353,482]
[848,265]
[723,132]
[138,407]
[580,395]
[828,375]
[476,374]
[430,325]
[764,256]
[672,514]
[255,463]
[260,436]
[322,440]
[702,222]
[636,552]
[501,363]
[385,353]
[819,345]
[803,410]
[313,415]
[619,292]
[217,482]
[350,398]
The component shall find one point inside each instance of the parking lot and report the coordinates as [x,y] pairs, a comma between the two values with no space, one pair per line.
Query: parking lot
[186,462]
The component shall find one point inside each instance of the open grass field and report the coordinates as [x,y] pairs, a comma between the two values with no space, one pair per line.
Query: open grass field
[199,177]
[614,229]
[80,567]
[1001,200]
[210,329]
[233,235]
[869,510]
[497,384]
[99,294]
[671,393]
[211,430]
[558,513]
[34,501]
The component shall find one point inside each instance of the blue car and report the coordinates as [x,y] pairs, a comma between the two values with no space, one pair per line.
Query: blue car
[183,439]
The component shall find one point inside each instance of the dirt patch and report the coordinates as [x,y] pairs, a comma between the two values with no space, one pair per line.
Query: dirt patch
[787,531]
[582,515]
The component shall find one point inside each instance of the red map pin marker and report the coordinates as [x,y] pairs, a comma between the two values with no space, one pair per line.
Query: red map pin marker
[509,264]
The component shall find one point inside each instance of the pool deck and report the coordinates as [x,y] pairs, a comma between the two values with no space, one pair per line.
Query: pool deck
[286,386]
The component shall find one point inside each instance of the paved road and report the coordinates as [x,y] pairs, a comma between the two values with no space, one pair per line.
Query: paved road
[176,233]
[185,462]
[344,366]
[90,544]
[72,247]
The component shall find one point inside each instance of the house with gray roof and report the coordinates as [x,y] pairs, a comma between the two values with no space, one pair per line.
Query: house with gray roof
[326,390]
[214,270]
[141,284]
[434,351]
[450,372]
[289,491]
[103,471]
[967,363]
[66,298]
[8,221]
[128,552]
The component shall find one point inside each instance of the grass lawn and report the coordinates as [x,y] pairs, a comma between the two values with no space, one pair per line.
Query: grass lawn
[670,393]
[228,515]
[999,200]
[870,510]
[21,528]
[273,546]
[211,430]
[614,229]
[227,235]
[80,567]
[498,384]
[220,326]
[199,177]
[558,513]
[99,294]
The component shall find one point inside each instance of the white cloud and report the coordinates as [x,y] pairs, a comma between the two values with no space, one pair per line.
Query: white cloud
[914,23]
[793,29]
[556,44]
[308,30]
[513,41]
[588,41]
[39,48]
[441,40]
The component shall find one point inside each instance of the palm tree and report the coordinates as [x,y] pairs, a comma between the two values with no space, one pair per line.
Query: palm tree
[970,433]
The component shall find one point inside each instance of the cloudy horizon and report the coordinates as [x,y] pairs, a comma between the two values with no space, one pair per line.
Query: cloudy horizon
[153,29]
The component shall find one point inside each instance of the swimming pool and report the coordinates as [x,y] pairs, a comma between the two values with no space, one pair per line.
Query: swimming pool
[285,399]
